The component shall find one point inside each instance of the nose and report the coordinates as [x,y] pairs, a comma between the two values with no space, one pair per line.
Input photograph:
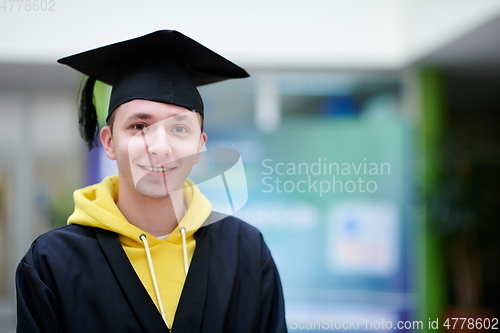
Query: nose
[157,142]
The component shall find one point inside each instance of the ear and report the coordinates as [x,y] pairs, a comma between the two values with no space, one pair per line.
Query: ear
[201,146]
[107,142]
[203,141]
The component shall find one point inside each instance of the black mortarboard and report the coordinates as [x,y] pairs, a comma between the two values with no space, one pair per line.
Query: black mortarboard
[164,66]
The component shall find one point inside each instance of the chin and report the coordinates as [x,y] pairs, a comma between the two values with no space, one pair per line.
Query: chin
[157,188]
[156,192]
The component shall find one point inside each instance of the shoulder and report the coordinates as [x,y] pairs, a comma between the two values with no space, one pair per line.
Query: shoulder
[234,235]
[61,242]
[69,233]
[231,226]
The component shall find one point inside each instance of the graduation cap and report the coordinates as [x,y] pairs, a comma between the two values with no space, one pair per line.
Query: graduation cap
[164,66]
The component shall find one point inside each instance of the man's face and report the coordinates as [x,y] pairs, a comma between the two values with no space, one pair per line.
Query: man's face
[155,145]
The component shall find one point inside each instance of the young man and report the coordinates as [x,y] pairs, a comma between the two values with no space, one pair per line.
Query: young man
[141,252]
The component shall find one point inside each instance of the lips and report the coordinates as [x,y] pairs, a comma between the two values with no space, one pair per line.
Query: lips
[153,169]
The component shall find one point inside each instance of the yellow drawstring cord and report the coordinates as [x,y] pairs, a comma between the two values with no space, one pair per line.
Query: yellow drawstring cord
[144,239]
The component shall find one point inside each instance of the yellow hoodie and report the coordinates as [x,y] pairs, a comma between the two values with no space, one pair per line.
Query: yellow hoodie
[96,206]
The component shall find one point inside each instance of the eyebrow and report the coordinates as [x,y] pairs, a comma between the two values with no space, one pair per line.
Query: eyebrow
[183,116]
[140,115]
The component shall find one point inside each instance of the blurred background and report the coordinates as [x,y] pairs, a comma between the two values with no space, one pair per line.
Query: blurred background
[368,130]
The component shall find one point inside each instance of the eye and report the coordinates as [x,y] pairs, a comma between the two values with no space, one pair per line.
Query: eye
[138,127]
[180,129]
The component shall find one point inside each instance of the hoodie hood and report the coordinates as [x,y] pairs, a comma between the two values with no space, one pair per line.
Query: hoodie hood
[161,265]
[95,206]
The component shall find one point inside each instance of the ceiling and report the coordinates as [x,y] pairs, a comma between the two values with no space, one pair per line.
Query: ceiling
[477,52]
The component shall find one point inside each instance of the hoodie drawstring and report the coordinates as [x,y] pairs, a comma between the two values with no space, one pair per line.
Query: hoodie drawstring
[144,239]
[182,230]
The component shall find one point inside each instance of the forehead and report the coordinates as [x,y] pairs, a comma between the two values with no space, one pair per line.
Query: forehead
[139,109]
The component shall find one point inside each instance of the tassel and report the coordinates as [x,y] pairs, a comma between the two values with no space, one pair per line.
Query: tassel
[87,114]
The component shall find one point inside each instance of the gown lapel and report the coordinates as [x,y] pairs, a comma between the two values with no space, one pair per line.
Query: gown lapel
[208,289]
[130,284]
[189,313]
[212,264]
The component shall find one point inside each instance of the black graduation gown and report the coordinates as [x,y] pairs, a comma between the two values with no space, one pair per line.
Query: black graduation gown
[78,279]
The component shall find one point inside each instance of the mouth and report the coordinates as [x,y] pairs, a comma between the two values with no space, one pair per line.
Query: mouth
[159,170]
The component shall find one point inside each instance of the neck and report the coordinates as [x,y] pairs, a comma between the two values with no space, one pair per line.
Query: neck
[156,216]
